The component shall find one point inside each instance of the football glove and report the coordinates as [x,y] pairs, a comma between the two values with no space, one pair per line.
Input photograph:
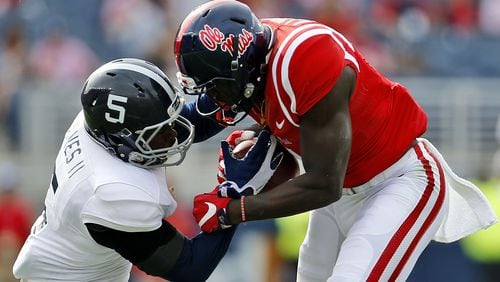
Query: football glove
[248,175]
[209,210]
[235,138]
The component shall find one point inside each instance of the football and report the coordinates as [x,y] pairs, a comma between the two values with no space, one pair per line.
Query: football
[288,168]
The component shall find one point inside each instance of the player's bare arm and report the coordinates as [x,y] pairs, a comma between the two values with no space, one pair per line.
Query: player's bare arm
[325,131]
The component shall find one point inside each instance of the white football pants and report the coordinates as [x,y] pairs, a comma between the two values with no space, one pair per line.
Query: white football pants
[377,231]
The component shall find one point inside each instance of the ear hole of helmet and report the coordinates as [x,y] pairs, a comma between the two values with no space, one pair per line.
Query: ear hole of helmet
[125,132]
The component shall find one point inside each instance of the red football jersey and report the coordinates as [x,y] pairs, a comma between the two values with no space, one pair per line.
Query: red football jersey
[306,60]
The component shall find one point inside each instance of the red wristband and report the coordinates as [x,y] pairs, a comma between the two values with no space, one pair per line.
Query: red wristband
[242,206]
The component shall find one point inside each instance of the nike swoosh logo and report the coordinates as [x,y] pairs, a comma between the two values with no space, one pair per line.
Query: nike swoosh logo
[279,125]
[212,209]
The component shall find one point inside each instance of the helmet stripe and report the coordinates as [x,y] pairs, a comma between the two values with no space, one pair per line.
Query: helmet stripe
[142,70]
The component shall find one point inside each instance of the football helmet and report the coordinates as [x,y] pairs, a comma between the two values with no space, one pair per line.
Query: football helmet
[220,49]
[131,109]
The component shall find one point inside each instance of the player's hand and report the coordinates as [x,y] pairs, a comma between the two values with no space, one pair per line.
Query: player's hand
[248,175]
[209,210]
[235,138]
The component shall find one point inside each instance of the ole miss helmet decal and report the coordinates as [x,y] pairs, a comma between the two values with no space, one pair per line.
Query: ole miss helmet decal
[211,38]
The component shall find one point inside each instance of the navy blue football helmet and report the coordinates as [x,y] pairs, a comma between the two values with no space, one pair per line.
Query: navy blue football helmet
[131,109]
[220,50]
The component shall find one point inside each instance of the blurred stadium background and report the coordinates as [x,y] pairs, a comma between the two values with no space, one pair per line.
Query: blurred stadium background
[445,51]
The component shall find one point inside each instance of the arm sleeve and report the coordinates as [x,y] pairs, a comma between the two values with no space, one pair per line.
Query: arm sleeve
[201,255]
[205,127]
[165,252]
[137,247]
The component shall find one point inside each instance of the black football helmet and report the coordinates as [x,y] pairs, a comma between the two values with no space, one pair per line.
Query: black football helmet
[220,50]
[130,106]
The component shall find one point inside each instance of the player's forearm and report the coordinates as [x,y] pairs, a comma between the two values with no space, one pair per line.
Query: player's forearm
[165,252]
[206,126]
[290,198]
[200,256]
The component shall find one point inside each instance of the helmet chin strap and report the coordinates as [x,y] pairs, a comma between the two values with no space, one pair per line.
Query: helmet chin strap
[236,55]
[248,102]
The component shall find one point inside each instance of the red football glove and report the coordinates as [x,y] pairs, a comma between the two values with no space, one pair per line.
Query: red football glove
[209,210]
[235,138]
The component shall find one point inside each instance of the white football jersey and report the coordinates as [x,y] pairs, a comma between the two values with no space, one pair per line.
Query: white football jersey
[89,185]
